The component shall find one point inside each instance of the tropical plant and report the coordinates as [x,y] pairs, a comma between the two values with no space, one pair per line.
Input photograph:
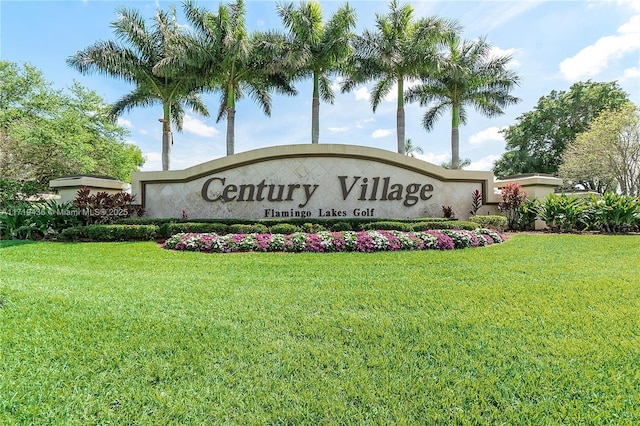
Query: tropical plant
[230,60]
[317,50]
[563,213]
[615,212]
[134,60]
[512,199]
[461,164]
[469,75]
[399,50]
[410,149]
[476,202]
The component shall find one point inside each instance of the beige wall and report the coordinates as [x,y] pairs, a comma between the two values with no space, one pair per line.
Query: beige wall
[315,179]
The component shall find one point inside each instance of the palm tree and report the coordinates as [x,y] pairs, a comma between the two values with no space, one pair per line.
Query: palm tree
[317,50]
[410,149]
[232,61]
[469,75]
[399,50]
[461,164]
[134,62]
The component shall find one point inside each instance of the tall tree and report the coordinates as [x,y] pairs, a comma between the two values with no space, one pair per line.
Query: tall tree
[535,144]
[47,133]
[400,49]
[607,156]
[317,50]
[234,62]
[133,60]
[469,75]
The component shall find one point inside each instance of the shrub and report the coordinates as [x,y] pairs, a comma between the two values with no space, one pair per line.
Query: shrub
[168,229]
[448,213]
[312,227]
[75,233]
[103,208]
[387,225]
[121,232]
[458,224]
[562,213]
[284,228]
[247,228]
[616,213]
[490,221]
[24,219]
[528,213]
[512,198]
[476,202]
[341,226]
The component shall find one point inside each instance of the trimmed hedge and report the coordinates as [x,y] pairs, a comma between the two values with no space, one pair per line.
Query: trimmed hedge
[307,224]
[284,228]
[459,224]
[248,228]
[490,221]
[388,226]
[168,229]
[109,233]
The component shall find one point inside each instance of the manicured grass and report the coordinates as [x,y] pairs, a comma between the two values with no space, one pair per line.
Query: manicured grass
[542,329]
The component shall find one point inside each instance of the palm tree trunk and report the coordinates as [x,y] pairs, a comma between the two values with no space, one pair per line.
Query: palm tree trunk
[315,111]
[167,142]
[455,138]
[400,116]
[231,120]
[167,137]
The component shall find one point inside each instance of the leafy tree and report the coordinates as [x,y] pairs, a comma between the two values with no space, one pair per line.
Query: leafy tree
[47,133]
[398,50]
[232,61]
[134,60]
[535,144]
[469,75]
[607,156]
[317,50]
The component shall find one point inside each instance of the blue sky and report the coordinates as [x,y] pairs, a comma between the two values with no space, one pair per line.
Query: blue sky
[553,43]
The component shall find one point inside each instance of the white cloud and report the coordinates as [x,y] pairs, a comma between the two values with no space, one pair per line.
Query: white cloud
[381,133]
[513,63]
[634,4]
[338,129]
[362,94]
[595,58]
[485,163]
[486,135]
[193,125]
[125,123]
[631,73]
[360,123]
[153,161]
[434,158]
[335,84]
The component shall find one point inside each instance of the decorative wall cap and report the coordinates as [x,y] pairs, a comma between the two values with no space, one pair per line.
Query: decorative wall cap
[78,181]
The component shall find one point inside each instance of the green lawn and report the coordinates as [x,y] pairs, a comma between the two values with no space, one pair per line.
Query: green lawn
[542,329]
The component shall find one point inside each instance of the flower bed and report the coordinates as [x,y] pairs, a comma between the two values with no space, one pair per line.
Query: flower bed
[325,241]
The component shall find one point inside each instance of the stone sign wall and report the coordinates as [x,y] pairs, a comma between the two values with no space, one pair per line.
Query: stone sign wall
[312,181]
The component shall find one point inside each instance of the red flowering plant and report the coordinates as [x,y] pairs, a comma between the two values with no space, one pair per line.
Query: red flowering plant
[512,198]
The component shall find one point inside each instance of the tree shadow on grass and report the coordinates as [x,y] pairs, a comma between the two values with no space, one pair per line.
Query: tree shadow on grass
[12,243]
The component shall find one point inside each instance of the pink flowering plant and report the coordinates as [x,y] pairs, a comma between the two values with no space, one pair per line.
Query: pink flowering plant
[325,241]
